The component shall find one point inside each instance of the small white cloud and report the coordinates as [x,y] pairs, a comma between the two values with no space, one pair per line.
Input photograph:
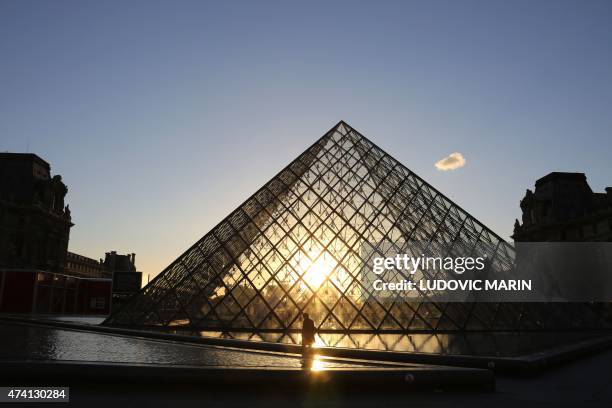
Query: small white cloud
[451,162]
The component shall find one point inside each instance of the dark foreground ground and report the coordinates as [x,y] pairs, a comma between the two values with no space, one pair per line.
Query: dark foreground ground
[585,382]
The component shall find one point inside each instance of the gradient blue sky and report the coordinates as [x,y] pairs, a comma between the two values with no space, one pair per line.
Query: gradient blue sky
[162,117]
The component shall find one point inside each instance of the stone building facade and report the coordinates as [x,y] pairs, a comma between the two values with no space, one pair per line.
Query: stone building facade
[34,220]
[564,208]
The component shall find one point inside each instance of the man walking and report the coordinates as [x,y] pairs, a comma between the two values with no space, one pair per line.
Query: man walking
[308,333]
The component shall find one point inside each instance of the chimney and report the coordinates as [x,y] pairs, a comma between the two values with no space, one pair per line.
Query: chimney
[113,260]
[134,259]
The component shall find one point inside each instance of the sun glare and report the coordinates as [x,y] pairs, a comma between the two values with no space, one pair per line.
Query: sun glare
[315,273]
[317,364]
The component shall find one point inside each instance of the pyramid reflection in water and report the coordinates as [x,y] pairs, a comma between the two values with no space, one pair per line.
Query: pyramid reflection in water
[297,245]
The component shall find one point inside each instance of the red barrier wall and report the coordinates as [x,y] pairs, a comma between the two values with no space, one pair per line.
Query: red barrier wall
[30,291]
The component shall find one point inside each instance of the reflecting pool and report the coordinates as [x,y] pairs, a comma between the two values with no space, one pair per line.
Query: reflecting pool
[24,342]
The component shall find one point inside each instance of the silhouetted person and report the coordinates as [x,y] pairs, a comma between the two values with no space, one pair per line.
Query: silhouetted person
[308,333]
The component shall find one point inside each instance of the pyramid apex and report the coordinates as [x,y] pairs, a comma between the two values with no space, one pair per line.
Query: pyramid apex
[342,122]
[342,126]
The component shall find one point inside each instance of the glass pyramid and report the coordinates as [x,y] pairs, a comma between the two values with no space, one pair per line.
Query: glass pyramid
[297,245]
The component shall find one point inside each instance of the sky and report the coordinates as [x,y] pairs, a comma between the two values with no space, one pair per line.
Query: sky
[164,116]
